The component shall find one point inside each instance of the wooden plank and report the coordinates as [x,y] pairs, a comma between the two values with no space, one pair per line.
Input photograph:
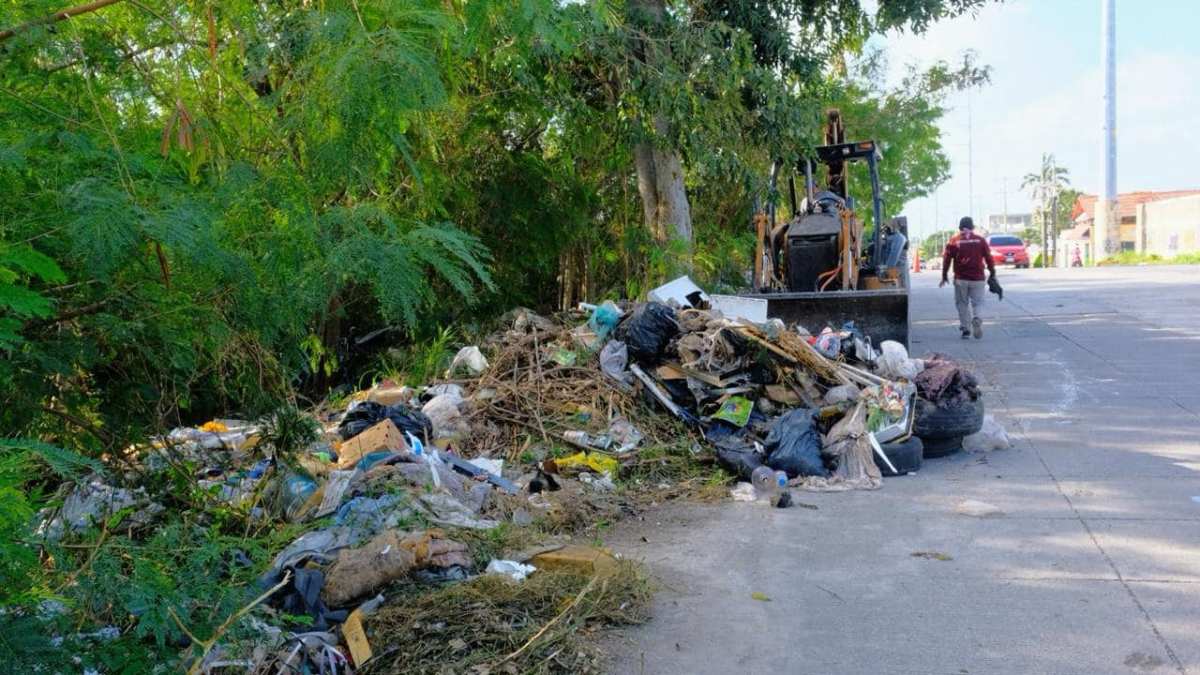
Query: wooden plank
[356,638]
[670,372]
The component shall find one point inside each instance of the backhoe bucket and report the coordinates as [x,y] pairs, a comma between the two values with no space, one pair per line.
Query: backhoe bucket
[881,314]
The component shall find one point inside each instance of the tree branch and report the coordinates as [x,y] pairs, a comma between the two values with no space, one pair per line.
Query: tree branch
[228,623]
[83,424]
[56,17]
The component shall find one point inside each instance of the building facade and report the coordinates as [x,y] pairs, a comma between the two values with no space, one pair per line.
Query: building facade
[1169,227]
[1012,223]
[1164,218]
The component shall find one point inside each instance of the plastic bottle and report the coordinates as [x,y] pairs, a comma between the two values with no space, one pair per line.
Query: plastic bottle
[768,484]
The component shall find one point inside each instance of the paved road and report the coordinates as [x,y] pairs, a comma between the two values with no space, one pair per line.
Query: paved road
[1093,568]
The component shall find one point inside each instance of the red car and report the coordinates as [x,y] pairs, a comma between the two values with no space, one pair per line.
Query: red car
[1008,250]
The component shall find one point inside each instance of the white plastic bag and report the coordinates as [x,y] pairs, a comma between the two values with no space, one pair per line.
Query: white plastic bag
[468,359]
[990,437]
[894,362]
[510,568]
[444,412]
[743,492]
[614,361]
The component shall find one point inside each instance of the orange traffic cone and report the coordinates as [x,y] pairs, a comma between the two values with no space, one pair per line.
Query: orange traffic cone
[916,260]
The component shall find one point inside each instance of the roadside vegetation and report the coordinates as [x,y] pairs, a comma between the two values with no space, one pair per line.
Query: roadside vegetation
[248,209]
[1131,258]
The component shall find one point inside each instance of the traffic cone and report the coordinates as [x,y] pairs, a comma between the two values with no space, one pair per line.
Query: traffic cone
[917,260]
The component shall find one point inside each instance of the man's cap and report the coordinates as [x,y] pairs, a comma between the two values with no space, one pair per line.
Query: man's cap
[966,223]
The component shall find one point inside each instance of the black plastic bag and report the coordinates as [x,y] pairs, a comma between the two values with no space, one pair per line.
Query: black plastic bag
[735,451]
[994,286]
[369,413]
[302,597]
[648,332]
[794,445]
[738,461]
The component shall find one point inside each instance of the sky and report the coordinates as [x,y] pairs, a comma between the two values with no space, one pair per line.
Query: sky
[1045,97]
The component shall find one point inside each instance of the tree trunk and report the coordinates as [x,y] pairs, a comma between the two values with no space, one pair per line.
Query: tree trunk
[664,198]
[665,205]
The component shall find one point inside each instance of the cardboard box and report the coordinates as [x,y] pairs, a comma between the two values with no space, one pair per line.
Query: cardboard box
[382,436]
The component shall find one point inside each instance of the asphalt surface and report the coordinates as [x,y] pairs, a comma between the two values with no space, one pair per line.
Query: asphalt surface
[1094,566]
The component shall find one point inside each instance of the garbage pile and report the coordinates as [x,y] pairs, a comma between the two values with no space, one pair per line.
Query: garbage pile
[539,423]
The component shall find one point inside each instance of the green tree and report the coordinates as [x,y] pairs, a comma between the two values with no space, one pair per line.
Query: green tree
[933,245]
[696,66]
[1045,186]
[190,214]
[903,120]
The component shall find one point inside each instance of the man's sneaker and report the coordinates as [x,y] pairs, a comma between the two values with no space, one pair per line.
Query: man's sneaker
[977,329]
[966,334]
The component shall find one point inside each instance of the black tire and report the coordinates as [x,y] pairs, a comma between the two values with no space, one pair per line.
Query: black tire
[936,422]
[943,447]
[906,456]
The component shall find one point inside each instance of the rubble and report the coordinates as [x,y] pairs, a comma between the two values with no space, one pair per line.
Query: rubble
[557,422]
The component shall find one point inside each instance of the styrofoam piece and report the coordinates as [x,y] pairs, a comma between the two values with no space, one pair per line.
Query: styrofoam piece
[753,310]
[677,290]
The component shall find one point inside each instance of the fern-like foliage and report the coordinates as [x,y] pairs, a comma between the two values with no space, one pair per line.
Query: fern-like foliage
[21,265]
[398,261]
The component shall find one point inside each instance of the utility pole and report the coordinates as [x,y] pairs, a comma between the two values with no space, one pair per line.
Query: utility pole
[1054,230]
[1004,183]
[970,160]
[1106,239]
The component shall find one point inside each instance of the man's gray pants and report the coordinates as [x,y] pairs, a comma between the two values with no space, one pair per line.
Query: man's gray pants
[968,298]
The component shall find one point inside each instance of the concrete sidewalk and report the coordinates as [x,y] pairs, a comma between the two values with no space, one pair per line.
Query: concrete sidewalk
[1093,568]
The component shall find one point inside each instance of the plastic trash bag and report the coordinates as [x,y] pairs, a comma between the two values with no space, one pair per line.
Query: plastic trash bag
[994,287]
[794,445]
[510,568]
[740,462]
[829,344]
[743,492]
[604,319]
[991,436]
[469,360]
[624,435]
[614,361]
[367,414]
[894,363]
[297,491]
[841,393]
[445,414]
[648,331]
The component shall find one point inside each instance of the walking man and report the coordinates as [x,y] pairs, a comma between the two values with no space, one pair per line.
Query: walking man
[969,253]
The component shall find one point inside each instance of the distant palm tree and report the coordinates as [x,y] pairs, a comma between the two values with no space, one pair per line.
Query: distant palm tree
[1045,186]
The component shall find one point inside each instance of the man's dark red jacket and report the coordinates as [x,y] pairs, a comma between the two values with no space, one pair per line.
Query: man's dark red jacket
[970,254]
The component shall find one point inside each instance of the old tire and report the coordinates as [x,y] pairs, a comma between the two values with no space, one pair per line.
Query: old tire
[906,456]
[935,422]
[943,447]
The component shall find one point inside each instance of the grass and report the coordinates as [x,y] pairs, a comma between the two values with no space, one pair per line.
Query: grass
[1132,258]
[418,363]
[544,624]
